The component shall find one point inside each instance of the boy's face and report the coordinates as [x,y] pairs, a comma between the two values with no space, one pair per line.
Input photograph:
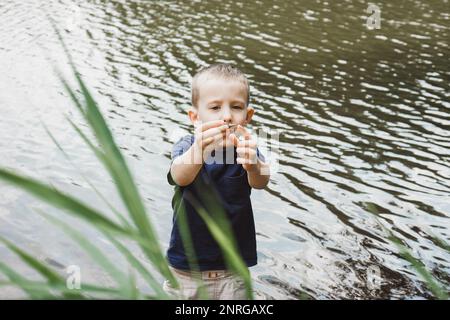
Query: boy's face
[222,99]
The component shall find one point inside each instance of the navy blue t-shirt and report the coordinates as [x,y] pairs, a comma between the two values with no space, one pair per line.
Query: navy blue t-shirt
[228,186]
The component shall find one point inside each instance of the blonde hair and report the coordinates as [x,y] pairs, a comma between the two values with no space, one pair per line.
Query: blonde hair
[220,70]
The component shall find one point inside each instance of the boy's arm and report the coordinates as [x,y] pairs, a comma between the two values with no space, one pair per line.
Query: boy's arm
[258,172]
[184,168]
[258,176]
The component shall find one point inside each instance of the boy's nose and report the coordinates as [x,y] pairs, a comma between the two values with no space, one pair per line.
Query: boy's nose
[226,116]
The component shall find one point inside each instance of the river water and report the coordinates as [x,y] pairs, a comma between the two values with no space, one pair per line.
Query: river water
[363,118]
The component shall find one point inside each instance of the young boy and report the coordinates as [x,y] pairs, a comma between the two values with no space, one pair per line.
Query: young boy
[202,163]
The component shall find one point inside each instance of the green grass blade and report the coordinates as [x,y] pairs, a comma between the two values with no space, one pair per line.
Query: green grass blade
[187,242]
[149,246]
[439,241]
[435,287]
[128,191]
[85,292]
[221,231]
[99,194]
[115,164]
[139,267]
[52,277]
[219,221]
[71,205]
[437,290]
[24,284]
[54,280]
[117,167]
[45,271]
[95,253]
[58,199]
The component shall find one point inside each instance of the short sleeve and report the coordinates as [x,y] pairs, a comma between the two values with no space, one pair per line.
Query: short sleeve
[179,148]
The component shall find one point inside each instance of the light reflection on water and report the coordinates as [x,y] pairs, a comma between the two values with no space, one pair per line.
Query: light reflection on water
[363,116]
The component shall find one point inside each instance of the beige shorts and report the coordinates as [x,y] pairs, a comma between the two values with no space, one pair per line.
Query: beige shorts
[217,284]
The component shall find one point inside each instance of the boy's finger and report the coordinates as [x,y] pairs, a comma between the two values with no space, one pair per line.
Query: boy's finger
[214,131]
[209,140]
[247,143]
[243,132]
[246,152]
[234,139]
[212,124]
[244,161]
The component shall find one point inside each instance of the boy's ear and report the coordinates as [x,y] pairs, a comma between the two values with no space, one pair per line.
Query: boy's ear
[193,115]
[250,113]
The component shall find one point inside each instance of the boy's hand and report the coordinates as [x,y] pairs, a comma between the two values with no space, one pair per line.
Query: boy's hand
[245,149]
[208,134]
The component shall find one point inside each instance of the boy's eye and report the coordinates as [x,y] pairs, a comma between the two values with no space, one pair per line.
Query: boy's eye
[215,107]
[237,107]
